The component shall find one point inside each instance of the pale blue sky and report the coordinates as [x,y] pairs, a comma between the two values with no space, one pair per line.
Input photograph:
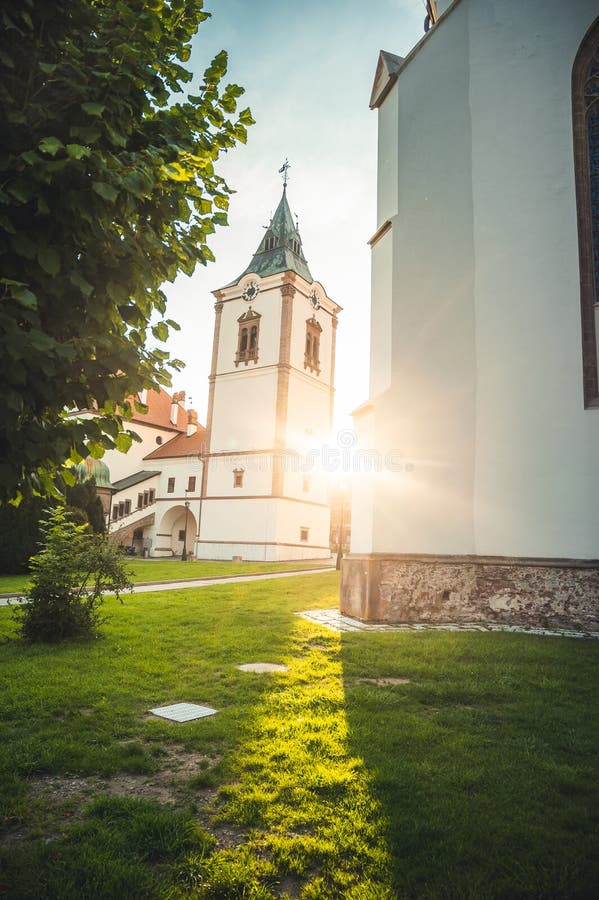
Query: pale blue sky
[307,68]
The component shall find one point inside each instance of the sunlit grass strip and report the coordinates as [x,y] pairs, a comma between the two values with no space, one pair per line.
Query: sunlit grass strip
[306,800]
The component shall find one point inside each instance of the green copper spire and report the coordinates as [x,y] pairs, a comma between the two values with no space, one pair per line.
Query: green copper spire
[281,247]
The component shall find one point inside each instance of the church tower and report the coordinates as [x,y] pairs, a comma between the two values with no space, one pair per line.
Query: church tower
[270,407]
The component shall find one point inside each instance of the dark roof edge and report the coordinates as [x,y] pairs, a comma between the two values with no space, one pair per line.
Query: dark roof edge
[131,480]
[376,101]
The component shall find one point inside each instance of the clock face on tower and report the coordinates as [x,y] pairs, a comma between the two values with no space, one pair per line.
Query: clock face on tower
[251,292]
[313,298]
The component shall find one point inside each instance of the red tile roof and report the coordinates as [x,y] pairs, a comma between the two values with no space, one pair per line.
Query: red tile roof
[181,445]
[159,412]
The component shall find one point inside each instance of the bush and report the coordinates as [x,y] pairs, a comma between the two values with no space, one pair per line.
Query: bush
[70,574]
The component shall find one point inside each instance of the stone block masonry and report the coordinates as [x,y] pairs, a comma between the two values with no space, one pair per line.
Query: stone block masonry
[537,593]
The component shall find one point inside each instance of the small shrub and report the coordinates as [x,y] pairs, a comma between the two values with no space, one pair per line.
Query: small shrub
[69,576]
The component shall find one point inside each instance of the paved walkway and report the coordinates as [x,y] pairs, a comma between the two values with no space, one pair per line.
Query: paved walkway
[336,621]
[149,586]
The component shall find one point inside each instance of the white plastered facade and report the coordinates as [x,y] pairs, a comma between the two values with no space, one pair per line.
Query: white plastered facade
[476,368]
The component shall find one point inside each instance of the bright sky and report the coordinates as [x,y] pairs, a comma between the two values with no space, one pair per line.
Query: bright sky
[308,69]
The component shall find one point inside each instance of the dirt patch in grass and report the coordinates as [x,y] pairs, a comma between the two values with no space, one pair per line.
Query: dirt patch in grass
[62,798]
[384,682]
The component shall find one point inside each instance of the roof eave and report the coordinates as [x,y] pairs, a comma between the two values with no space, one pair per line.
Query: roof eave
[394,70]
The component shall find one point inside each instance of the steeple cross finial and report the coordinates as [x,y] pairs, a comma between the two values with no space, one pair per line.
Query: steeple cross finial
[283,171]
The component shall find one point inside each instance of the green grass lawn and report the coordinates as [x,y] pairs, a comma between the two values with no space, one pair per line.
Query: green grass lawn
[175,570]
[381,765]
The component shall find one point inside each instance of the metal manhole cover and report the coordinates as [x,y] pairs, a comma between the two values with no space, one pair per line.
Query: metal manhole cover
[183,712]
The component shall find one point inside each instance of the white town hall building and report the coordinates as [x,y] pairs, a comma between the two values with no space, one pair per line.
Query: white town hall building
[485,314]
[241,487]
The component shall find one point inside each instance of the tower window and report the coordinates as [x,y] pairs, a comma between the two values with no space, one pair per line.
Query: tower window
[191,483]
[312,352]
[304,534]
[238,478]
[247,340]
[585,112]
[171,486]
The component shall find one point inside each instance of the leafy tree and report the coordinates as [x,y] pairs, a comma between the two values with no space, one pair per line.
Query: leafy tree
[70,574]
[20,534]
[82,497]
[107,190]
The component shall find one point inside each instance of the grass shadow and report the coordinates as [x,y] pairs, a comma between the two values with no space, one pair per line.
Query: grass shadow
[483,753]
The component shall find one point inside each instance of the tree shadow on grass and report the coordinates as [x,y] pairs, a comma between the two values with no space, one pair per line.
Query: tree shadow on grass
[483,754]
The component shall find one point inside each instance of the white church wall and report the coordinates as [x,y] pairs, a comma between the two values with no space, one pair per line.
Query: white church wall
[387,164]
[381,314]
[486,400]
[250,521]
[180,469]
[537,462]
[303,528]
[257,475]
[308,411]
[244,410]
[427,416]
[362,492]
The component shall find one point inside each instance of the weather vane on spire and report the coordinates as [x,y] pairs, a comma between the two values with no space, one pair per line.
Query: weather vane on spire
[283,171]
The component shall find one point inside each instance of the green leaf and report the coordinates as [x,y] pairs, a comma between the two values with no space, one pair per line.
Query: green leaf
[47,68]
[96,449]
[79,281]
[77,151]
[107,191]
[25,297]
[30,157]
[123,441]
[93,109]
[89,134]
[160,331]
[51,145]
[116,136]
[49,260]
[246,118]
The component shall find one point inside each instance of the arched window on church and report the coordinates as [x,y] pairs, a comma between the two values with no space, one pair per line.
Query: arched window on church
[585,112]
[247,340]
[312,353]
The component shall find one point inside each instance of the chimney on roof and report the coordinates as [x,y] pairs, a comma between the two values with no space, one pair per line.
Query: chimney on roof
[192,422]
[178,400]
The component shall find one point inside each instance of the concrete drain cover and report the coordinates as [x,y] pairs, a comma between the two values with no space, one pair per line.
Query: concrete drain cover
[263,667]
[183,712]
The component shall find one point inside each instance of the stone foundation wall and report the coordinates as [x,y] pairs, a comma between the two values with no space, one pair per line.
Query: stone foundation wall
[532,592]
